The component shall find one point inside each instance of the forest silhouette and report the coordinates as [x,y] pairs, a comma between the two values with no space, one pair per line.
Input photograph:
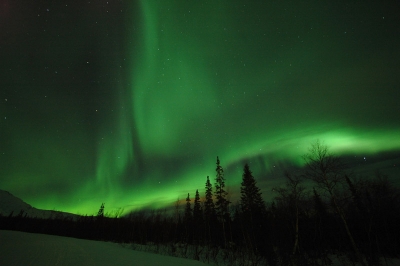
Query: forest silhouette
[321,210]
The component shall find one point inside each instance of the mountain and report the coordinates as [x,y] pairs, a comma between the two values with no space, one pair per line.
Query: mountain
[11,204]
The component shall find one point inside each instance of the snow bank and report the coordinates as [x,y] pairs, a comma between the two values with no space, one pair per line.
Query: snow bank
[18,248]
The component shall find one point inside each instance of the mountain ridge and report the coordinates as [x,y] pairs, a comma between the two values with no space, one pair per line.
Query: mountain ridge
[11,205]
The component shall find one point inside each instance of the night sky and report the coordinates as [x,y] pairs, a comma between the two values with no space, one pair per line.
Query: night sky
[130,102]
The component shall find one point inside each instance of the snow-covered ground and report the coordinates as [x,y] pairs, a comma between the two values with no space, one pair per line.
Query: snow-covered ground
[19,248]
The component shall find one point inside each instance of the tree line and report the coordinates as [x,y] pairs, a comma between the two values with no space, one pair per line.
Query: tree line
[322,210]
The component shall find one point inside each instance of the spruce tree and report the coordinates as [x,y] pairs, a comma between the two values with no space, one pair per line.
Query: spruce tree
[251,199]
[100,213]
[188,209]
[253,210]
[197,218]
[209,212]
[197,212]
[188,220]
[221,205]
[209,208]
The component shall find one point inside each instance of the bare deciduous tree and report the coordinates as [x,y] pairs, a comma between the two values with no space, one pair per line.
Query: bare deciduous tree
[328,172]
[291,195]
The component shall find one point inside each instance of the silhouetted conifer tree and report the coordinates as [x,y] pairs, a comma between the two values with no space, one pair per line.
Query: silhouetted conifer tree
[188,215]
[209,211]
[251,199]
[197,211]
[253,209]
[100,213]
[188,209]
[209,207]
[197,217]
[221,204]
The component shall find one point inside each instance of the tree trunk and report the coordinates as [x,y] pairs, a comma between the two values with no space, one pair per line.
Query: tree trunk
[353,243]
[296,240]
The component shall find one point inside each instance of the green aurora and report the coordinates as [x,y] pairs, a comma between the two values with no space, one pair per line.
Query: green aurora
[131,104]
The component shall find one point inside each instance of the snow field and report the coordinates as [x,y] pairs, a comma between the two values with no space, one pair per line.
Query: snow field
[19,248]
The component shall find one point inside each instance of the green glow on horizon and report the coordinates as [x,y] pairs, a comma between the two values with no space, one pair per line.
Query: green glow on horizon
[164,194]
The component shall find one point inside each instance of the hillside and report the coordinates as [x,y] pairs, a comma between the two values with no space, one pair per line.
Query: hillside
[12,204]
